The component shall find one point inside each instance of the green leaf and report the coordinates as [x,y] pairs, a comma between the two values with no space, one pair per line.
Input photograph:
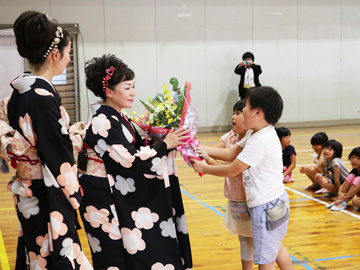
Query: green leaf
[175,83]
[147,107]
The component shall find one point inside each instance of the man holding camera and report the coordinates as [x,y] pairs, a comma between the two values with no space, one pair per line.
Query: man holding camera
[249,74]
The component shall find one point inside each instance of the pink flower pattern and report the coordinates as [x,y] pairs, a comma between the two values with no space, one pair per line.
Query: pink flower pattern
[112,229]
[96,217]
[144,218]
[160,266]
[132,240]
[101,125]
[121,155]
[27,129]
[57,226]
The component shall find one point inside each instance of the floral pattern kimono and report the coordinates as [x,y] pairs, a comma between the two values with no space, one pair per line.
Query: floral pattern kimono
[134,215]
[45,187]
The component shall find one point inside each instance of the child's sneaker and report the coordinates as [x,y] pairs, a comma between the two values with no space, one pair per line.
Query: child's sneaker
[288,179]
[322,190]
[339,207]
[330,205]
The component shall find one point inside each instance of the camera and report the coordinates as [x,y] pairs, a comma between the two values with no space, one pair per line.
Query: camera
[246,63]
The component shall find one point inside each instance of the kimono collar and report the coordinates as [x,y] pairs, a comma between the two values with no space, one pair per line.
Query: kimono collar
[24,82]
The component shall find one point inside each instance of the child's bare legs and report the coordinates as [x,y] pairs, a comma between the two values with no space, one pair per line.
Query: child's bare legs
[356,201]
[283,259]
[311,172]
[268,266]
[326,183]
[247,252]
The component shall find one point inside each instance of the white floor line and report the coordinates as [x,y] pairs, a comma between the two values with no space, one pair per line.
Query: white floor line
[322,202]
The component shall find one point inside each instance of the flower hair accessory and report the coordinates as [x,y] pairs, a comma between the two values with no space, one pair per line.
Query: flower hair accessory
[106,79]
[58,34]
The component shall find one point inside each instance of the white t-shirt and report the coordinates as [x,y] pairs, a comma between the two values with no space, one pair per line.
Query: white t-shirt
[263,179]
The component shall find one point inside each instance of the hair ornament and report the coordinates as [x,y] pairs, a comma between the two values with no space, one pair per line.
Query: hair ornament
[106,79]
[58,34]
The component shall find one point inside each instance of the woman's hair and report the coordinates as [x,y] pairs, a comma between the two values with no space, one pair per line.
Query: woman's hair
[239,105]
[336,146]
[95,71]
[355,152]
[282,132]
[34,34]
[319,138]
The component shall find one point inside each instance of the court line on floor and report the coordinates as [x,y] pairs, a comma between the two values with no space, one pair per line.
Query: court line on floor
[223,215]
[322,202]
[3,257]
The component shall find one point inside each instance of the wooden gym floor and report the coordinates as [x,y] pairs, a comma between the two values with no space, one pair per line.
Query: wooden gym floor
[317,238]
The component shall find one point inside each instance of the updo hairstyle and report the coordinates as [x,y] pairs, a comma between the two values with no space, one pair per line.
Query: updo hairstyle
[34,33]
[95,71]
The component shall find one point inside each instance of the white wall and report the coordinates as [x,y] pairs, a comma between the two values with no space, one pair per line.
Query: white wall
[309,50]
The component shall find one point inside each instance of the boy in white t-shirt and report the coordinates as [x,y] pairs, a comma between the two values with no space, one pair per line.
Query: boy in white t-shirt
[259,158]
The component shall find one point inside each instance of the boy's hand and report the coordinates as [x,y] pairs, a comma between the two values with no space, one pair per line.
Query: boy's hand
[302,170]
[197,165]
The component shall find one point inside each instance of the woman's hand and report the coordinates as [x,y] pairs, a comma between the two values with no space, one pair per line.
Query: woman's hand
[176,137]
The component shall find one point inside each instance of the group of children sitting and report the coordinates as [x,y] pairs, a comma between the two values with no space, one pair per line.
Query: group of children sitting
[329,174]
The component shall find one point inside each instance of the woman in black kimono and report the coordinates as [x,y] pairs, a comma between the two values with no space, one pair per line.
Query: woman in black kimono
[46,188]
[132,208]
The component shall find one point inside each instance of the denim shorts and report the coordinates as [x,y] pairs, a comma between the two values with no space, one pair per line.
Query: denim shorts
[267,243]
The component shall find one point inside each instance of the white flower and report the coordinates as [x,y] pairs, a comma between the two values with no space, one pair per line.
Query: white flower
[49,179]
[124,185]
[64,130]
[101,147]
[168,228]
[67,250]
[94,243]
[127,134]
[151,118]
[158,165]
[181,224]
[28,206]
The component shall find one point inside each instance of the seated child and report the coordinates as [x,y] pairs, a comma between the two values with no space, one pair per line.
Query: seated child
[258,156]
[289,154]
[350,189]
[335,170]
[237,218]
[317,141]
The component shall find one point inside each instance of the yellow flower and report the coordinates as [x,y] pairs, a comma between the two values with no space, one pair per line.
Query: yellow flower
[133,113]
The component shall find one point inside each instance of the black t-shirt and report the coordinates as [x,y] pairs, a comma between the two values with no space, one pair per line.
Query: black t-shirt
[287,152]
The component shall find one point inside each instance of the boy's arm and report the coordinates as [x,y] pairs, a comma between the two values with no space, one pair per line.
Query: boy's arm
[229,170]
[292,165]
[225,154]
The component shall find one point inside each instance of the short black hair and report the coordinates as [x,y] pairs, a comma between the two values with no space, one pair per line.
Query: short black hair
[319,138]
[282,132]
[336,146]
[355,152]
[269,100]
[239,105]
[248,55]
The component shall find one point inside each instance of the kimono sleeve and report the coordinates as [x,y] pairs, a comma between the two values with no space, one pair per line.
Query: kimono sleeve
[54,147]
[112,141]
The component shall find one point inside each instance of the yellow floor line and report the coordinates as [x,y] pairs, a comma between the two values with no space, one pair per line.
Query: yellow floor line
[3,257]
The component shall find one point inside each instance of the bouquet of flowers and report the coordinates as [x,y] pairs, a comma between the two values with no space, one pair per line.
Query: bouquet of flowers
[171,109]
